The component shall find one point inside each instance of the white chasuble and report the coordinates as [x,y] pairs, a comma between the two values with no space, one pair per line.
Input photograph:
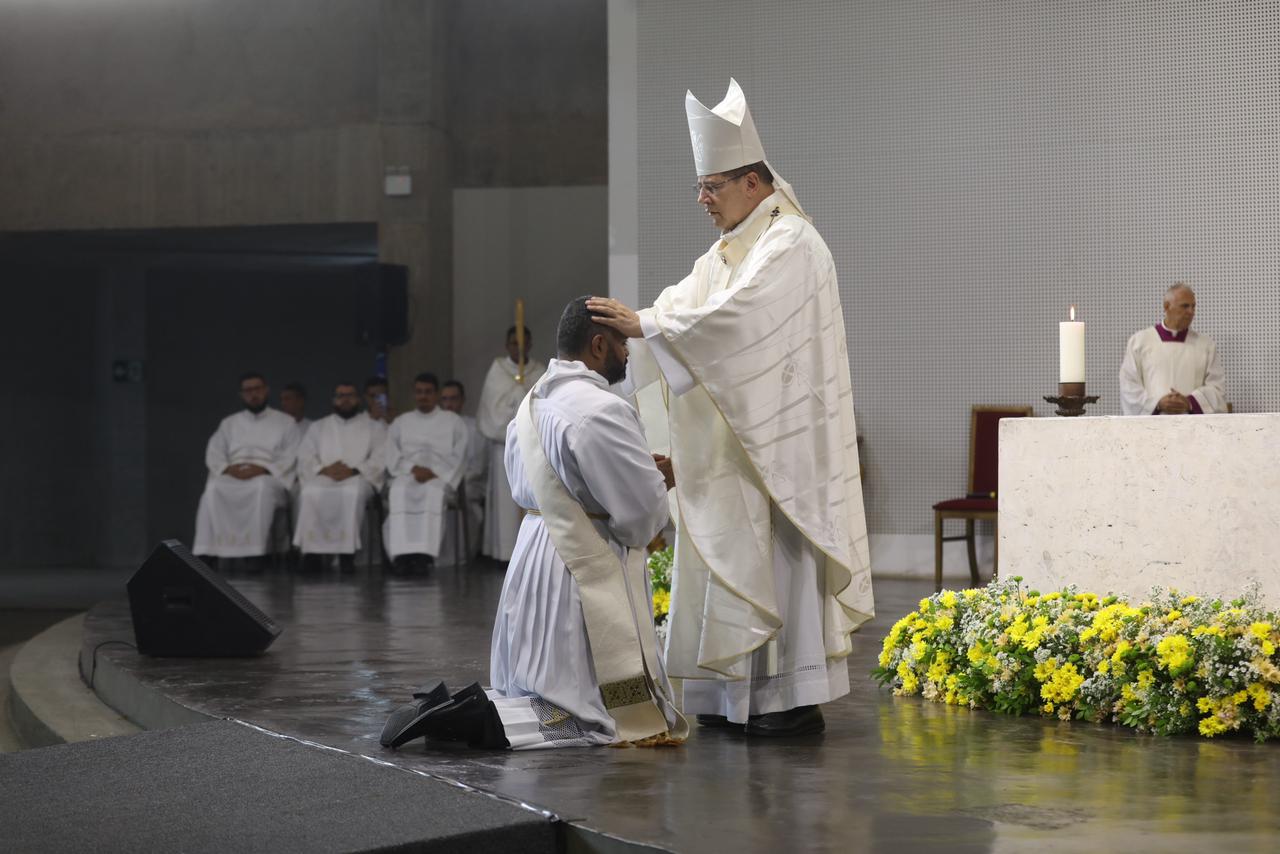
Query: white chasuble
[1156,362]
[499,399]
[234,516]
[574,659]
[772,571]
[330,514]
[436,440]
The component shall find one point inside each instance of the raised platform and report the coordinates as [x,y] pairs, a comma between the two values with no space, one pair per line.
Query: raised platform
[889,774]
[1120,505]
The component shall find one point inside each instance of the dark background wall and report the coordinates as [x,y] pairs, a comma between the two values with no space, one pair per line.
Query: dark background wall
[166,167]
[204,328]
[47,509]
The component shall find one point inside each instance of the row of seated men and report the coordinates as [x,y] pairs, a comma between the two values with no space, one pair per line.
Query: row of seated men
[328,471]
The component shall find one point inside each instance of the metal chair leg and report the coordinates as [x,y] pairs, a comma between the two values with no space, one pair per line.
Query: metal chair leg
[937,553]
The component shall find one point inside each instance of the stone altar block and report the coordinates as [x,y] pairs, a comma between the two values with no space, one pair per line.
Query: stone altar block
[1121,505]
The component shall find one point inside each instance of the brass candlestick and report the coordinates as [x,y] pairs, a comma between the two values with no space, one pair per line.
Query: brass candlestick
[1071,399]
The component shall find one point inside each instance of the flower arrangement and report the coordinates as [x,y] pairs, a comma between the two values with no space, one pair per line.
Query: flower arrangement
[1172,664]
[660,580]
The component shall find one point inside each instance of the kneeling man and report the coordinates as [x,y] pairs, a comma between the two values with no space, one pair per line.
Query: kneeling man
[251,461]
[340,464]
[574,659]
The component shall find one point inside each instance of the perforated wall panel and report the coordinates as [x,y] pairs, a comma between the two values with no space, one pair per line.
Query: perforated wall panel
[976,167]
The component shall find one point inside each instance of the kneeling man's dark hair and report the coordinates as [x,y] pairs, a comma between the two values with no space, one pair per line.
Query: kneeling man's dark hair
[576,328]
[427,377]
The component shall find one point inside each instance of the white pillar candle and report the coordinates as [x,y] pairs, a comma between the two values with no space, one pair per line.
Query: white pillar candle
[1071,350]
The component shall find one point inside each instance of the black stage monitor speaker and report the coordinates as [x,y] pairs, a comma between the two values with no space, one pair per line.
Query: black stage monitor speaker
[183,608]
[384,305]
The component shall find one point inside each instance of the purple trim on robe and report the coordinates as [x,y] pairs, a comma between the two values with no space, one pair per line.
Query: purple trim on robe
[1195,405]
[1167,335]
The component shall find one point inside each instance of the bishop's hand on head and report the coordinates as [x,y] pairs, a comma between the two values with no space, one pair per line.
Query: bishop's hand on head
[611,313]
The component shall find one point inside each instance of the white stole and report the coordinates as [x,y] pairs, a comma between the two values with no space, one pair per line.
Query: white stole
[613,594]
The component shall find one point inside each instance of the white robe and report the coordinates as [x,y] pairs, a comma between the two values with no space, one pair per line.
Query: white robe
[476,483]
[436,440]
[234,516]
[540,665]
[330,515]
[1153,367]
[771,570]
[499,399]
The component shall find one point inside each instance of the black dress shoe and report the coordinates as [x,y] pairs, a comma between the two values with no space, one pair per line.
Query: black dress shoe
[472,718]
[802,720]
[717,722]
[405,723]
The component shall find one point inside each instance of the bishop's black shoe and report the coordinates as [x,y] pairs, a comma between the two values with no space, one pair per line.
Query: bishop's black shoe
[717,722]
[802,720]
[406,722]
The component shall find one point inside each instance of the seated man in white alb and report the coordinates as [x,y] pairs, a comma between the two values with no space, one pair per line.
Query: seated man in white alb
[251,468]
[453,397]
[426,457]
[340,465]
[1170,370]
[293,402]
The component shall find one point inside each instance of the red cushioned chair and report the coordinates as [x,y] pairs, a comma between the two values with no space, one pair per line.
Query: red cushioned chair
[984,458]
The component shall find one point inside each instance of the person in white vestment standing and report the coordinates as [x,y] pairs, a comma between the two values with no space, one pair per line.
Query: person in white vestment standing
[293,402]
[1170,370]
[340,466]
[578,462]
[251,460]
[426,454]
[771,572]
[453,397]
[504,388]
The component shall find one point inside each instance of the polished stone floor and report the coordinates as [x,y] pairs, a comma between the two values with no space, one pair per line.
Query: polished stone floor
[889,774]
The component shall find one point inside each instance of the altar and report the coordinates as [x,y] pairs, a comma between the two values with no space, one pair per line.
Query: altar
[1121,505]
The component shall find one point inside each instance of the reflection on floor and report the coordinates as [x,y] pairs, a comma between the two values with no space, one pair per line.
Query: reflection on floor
[889,774]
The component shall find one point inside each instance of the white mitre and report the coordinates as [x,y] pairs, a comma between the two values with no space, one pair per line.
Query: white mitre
[724,138]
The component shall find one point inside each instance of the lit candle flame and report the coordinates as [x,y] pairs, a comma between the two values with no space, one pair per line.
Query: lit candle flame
[1073,312]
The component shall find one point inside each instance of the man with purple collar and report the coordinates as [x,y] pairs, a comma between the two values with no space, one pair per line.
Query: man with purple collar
[1170,370]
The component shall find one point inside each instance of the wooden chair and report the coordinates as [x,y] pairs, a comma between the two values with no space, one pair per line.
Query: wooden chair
[980,502]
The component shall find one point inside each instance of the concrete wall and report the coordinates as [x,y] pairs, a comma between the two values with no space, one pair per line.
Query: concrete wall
[148,115]
[545,245]
[976,167]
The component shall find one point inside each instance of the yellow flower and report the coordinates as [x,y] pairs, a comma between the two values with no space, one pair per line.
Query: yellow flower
[1199,631]
[1063,685]
[1121,648]
[976,655]
[969,594]
[1044,668]
[948,599]
[1032,639]
[1174,653]
[1260,630]
[942,624]
[909,681]
[1104,667]
[1017,630]
[1172,615]
[924,605]
[1040,622]
[1211,726]
[1145,679]
[918,650]
[1187,600]
[1261,696]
